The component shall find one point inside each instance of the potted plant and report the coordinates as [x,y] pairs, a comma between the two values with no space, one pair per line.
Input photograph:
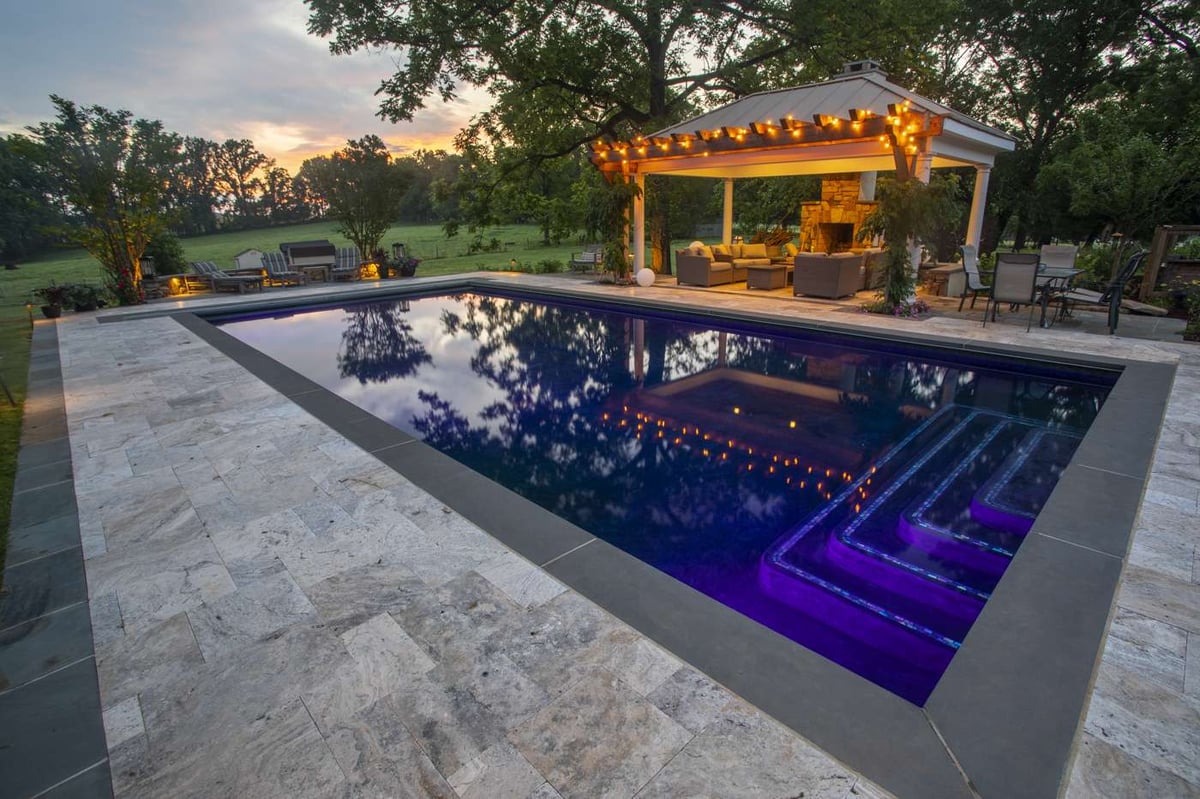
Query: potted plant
[404,265]
[53,297]
[84,297]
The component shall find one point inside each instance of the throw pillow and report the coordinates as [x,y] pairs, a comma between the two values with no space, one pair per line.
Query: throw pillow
[754,250]
[706,251]
[722,252]
[791,249]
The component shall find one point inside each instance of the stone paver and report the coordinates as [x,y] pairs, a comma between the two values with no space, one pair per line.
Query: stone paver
[276,615]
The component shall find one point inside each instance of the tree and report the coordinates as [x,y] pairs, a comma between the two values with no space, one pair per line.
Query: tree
[564,74]
[237,164]
[1033,67]
[361,187]
[27,214]
[908,210]
[193,187]
[96,160]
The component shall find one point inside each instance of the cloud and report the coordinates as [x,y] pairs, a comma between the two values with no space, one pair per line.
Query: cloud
[218,69]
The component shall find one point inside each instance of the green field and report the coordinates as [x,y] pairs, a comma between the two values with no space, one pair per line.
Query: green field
[439,256]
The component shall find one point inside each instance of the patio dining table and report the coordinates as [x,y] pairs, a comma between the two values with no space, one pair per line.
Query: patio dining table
[1052,282]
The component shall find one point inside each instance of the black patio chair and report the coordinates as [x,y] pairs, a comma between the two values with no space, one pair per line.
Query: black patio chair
[1112,295]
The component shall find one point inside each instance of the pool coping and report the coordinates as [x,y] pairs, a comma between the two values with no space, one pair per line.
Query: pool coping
[1004,718]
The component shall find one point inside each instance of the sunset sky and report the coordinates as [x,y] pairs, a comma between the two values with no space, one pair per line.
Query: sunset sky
[218,69]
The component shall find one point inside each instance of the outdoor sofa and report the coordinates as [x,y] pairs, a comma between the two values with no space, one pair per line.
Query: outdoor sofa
[828,276]
[704,265]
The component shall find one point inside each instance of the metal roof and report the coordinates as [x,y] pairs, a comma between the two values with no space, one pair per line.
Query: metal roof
[867,90]
[855,122]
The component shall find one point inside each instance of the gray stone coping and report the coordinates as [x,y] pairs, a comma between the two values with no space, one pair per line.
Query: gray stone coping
[1004,718]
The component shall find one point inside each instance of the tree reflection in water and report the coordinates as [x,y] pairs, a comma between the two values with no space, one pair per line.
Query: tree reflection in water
[378,344]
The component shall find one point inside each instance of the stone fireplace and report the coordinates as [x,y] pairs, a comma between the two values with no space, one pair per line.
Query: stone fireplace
[831,224]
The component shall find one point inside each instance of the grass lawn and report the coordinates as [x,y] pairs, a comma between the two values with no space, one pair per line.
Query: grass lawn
[439,256]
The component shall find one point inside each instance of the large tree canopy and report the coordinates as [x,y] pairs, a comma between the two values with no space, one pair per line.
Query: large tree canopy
[107,170]
[361,187]
[565,73]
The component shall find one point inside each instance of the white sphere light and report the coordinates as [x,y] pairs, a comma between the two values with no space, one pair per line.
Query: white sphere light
[645,277]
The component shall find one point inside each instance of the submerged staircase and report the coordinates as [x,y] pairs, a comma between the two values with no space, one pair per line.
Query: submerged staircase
[909,551]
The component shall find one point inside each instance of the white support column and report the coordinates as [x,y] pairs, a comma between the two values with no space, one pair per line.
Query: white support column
[639,350]
[866,186]
[727,218]
[923,171]
[639,225]
[978,203]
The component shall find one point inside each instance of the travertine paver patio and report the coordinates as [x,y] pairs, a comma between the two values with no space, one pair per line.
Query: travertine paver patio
[278,614]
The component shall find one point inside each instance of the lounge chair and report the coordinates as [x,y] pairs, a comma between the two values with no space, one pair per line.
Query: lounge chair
[278,272]
[1111,296]
[1015,283]
[975,284]
[347,265]
[206,274]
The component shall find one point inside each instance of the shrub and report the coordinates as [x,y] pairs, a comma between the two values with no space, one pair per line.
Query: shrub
[167,252]
[549,265]
[1192,331]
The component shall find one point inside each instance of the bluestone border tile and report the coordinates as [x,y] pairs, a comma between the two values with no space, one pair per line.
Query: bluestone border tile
[41,586]
[42,476]
[40,504]
[36,647]
[44,453]
[51,729]
[38,540]
[1016,691]
[95,783]
[1093,508]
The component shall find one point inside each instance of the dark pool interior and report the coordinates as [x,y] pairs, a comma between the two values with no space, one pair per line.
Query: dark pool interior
[861,499]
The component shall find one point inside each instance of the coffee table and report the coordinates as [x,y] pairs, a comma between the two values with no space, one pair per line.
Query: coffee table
[774,276]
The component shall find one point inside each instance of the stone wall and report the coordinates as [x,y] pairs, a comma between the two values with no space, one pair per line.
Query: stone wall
[839,205]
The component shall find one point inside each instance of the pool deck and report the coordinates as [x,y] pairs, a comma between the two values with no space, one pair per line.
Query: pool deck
[277,612]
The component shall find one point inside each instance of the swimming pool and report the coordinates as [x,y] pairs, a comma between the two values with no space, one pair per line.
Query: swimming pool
[860,499]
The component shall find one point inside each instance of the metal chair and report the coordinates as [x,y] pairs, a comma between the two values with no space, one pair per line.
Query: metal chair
[1059,255]
[1015,283]
[975,284]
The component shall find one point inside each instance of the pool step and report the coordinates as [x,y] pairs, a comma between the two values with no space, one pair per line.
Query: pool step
[985,526]
[1011,498]
[910,542]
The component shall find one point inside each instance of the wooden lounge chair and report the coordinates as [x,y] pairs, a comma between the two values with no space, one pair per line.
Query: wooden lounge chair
[347,265]
[278,272]
[220,281]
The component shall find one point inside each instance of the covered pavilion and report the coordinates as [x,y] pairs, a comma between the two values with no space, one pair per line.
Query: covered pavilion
[857,122]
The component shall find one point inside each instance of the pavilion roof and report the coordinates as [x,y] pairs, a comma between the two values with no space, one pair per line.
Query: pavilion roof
[848,123]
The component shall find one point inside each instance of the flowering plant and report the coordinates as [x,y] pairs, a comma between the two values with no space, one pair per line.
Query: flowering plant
[405,265]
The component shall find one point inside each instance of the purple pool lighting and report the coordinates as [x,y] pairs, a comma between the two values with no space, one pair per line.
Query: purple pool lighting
[861,501]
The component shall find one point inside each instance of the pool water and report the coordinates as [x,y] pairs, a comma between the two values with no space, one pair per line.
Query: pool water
[861,500]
